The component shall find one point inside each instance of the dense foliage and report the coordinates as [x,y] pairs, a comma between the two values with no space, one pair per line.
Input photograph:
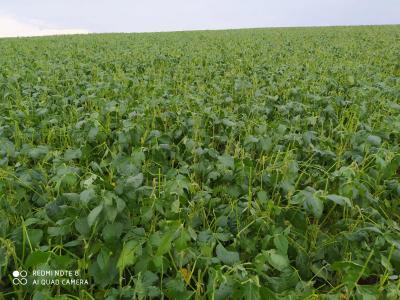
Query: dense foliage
[246,164]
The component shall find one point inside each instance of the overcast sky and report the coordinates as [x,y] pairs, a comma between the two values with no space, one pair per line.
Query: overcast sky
[41,17]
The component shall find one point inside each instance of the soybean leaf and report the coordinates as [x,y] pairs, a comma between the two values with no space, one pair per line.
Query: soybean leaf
[340,200]
[227,257]
[277,260]
[93,215]
[128,255]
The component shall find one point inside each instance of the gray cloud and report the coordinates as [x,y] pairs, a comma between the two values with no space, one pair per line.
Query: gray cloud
[161,15]
[11,26]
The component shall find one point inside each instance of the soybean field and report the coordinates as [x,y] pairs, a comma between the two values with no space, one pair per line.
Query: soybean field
[238,164]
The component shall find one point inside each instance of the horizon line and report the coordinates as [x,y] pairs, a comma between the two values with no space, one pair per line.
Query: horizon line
[202,30]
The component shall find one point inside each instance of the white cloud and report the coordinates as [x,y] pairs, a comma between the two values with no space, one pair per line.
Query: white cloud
[12,27]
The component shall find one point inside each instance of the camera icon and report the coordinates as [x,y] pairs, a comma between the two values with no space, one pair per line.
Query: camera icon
[19,277]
